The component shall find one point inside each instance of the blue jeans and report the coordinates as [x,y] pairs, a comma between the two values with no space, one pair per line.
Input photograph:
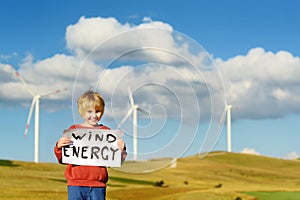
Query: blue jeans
[86,193]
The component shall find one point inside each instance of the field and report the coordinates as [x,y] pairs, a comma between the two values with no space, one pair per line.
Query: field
[219,176]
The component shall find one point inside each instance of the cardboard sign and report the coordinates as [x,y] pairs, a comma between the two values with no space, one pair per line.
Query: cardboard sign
[94,147]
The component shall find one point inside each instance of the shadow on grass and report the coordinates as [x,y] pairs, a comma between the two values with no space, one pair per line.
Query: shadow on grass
[8,163]
[117,179]
[131,181]
[58,180]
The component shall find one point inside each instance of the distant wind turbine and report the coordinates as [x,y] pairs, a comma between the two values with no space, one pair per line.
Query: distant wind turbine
[34,105]
[133,110]
[227,114]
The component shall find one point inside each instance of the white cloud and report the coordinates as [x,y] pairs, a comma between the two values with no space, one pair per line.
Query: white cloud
[6,57]
[89,32]
[40,77]
[250,151]
[150,41]
[280,93]
[146,43]
[263,66]
[151,85]
[292,155]
[147,19]
[107,38]
[263,84]
[265,80]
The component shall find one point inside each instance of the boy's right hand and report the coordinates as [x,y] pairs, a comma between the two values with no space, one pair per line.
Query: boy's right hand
[63,141]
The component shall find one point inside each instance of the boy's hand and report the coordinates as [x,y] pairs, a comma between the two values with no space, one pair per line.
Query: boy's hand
[63,141]
[121,145]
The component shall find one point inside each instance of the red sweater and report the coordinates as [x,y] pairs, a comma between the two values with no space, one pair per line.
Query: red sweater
[79,175]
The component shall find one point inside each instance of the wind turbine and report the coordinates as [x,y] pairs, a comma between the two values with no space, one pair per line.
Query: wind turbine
[133,110]
[35,105]
[227,115]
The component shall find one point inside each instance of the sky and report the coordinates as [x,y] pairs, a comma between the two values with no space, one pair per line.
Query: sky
[183,62]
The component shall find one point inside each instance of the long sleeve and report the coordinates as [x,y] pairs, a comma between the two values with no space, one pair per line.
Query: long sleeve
[58,154]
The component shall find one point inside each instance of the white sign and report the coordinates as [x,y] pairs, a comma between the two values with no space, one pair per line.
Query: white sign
[94,147]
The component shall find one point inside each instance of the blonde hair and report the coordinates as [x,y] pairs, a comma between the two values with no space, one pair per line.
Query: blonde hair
[90,99]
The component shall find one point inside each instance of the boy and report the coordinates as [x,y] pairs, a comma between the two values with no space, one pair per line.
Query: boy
[87,182]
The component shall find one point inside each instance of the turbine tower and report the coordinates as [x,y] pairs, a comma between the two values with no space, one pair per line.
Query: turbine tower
[35,105]
[228,110]
[133,110]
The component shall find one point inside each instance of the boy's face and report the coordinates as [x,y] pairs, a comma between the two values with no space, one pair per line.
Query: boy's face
[92,116]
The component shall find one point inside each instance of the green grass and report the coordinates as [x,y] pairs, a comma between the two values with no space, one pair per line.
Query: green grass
[219,176]
[276,195]
[25,180]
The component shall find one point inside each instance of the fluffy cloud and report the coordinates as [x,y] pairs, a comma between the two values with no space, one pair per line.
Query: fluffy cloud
[107,38]
[163,68]
[250,151]
[263,84]
[292,156]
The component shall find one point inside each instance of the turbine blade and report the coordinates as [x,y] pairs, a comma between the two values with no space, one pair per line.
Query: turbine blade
[130,96]
[125,118]
[221,123]
[29,116]
[54,92]
[143,111]
[22,81]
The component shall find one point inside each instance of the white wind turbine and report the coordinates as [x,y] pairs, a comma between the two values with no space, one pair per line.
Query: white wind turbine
[34,105]
[227,114]
[133,110]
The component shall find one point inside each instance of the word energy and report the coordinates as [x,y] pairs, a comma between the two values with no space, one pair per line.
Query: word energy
[94,147]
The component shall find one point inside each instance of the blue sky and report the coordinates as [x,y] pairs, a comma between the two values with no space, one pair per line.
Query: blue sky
[253,44]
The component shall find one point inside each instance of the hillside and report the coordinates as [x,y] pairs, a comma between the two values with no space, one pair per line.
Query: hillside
[217,176]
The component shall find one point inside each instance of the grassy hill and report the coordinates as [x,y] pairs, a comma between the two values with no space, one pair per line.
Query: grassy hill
[218,176]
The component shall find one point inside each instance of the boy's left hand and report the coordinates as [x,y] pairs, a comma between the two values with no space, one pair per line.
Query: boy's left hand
[121,145]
